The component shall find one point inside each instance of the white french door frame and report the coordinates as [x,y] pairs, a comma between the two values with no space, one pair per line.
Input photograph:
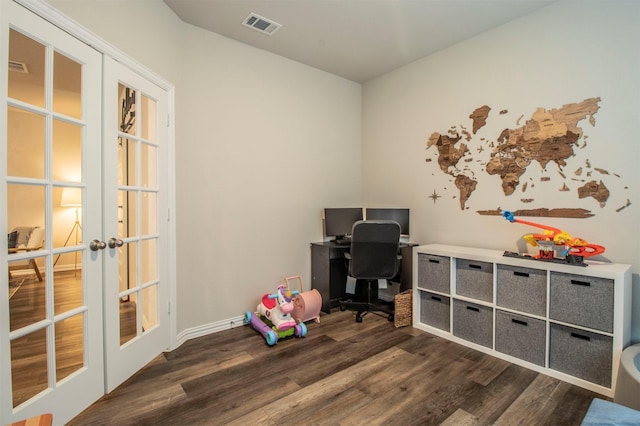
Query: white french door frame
[50,14]
[46,11]
[86,383]
[123,360]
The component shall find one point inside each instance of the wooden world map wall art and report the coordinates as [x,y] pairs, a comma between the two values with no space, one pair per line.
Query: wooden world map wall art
[547,138]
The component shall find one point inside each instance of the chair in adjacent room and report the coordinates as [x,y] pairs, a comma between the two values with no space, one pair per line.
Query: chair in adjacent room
[26,239]
[373,256]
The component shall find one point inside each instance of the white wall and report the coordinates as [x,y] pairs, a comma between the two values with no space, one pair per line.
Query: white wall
[145,30]
[266,143]
[565,53]
[262,145]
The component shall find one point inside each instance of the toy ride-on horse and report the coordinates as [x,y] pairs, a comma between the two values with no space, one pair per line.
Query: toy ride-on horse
[273,318]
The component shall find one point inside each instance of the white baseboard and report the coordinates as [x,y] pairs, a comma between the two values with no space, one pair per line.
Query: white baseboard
[203,330]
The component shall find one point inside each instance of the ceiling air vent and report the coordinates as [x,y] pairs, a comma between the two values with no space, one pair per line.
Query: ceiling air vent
[18,67]
[261,24]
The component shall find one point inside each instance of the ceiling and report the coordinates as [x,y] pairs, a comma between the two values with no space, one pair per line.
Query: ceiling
[355,39]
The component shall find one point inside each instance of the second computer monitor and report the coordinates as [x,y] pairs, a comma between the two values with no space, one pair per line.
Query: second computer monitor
[399,215]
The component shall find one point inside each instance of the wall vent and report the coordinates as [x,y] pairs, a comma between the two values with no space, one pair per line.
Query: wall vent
[18,67]
[261,24]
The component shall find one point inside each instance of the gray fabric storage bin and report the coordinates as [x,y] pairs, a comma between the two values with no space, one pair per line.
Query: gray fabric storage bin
[435,310]
[582,300]
[473,322]
[474,279]
[522,289]
[521,336]
[581,354]
[434,272]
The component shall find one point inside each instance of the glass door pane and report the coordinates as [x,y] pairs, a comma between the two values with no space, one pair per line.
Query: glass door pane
[27,69]
[137,186]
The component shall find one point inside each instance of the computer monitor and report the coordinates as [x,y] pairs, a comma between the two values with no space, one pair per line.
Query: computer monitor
[399,215]
[339,221]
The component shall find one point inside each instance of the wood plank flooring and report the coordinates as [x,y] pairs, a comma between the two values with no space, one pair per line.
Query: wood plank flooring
[341,373]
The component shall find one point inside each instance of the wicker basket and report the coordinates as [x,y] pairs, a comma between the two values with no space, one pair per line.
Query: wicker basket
[403,309]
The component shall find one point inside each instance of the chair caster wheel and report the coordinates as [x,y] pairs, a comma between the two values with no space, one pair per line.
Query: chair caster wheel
[358,318]
[343,308]
[390,318]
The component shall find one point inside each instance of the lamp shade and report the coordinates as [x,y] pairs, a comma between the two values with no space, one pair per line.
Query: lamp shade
[71,197]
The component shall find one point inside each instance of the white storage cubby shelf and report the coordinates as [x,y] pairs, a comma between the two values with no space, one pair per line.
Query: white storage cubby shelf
[569,322]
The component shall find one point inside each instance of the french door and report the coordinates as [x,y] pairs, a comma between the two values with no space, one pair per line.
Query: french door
[135,196]
[51,332]
[83,162]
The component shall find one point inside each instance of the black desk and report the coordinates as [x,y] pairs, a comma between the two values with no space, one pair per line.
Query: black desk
[329,270]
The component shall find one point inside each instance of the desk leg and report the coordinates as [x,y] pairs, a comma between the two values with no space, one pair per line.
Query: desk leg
[406,268]
[320,274]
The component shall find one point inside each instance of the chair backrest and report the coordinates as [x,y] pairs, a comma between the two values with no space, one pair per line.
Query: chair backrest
[36,239]
[26,238]
[374,249]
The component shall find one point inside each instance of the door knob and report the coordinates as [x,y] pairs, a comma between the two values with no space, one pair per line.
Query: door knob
[96,245]
[115,242]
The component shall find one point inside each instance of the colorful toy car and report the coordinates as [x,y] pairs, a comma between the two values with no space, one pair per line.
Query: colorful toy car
[573,249]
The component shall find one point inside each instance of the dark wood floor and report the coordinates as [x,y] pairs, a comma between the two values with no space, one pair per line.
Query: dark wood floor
[342,373]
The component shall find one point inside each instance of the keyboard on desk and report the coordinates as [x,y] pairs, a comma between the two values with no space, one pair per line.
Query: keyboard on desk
[343,241]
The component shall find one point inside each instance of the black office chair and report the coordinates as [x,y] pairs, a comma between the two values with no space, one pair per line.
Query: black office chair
[373,255]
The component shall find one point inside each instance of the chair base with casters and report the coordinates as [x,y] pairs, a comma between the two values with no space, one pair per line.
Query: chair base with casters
[369,305]
[373,255]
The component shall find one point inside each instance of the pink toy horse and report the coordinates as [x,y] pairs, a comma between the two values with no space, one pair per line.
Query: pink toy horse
[277,308]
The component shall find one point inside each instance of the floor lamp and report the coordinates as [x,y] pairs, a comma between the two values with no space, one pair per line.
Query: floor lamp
[72,197]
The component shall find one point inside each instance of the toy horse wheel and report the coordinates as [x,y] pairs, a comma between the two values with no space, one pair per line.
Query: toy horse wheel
[301,330]
[247,317]
[271,338]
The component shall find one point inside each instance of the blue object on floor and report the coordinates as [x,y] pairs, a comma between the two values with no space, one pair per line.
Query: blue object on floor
[603,412]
